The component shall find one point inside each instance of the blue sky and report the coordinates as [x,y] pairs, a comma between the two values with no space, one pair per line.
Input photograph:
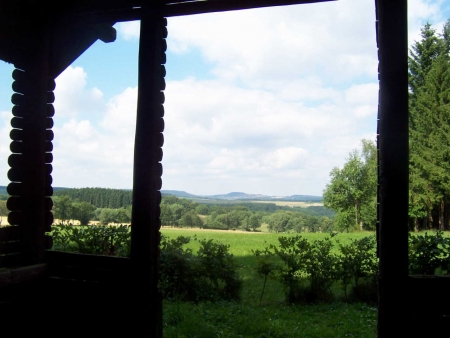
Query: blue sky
[261,101]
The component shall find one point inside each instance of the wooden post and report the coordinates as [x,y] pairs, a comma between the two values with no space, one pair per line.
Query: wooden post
[31,147]
[145,223]
[392,37]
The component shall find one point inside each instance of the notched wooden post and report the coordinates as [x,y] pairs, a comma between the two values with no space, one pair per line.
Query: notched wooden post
[31,147]
[145,224]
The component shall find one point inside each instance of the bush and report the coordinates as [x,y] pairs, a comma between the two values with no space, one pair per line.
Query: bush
[358,267]
[310,268]
[96,240]
[428,253]
[210,275]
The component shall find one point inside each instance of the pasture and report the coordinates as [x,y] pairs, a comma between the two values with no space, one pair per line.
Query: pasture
[292,204]
[271,316]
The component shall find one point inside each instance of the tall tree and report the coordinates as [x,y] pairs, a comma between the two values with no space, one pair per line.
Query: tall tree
[63,208]
[422,55]
[429,127]
[352,188]
[430,142]
[83,212]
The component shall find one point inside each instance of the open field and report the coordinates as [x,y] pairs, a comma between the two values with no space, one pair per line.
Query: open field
[280,203]
[272,317]
[292,203]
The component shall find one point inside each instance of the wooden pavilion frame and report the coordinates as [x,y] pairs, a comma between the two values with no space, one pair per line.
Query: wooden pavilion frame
[61,294]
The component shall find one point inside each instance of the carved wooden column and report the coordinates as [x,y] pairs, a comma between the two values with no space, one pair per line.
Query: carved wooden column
[392,39]
[145,223]
[31,145]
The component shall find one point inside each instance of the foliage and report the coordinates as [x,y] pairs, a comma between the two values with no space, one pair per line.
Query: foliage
[352,189]
[429,127]
[294,221]
[83,212]
[63,208]
[428,253]
[99,197]
[97,240]
[265,266]
[210,275]
[309,270]
[358,267]
[118,216]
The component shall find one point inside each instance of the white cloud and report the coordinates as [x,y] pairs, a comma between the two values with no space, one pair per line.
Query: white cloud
[215,130]
[72,97]
[129,30]
[295,90]
[89,155]
[335,40]
[421,12]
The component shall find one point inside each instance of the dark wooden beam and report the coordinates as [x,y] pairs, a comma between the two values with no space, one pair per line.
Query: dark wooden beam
[72,39]
[201,7]
[99,6]
[175,8]
[147,171]
[22,274]
[392,38]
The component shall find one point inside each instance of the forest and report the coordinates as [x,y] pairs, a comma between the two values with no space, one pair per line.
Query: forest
[114,206]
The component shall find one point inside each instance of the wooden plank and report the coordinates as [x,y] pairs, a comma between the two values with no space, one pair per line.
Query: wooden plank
[190,8]
[9,233]
[83,267]
[80,273]
[201,7]
[9,260]
[393,166]
[98,6]
[9,247]
[57,258]
[22,274]
[430,293]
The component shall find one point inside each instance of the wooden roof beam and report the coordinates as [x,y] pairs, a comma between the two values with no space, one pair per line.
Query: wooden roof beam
[68,44]
[192,8]
[103,6]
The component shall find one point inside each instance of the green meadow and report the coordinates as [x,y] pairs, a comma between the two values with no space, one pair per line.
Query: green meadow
[269,316]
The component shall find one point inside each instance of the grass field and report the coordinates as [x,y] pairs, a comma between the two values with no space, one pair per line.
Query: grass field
[292,203]
[272,317]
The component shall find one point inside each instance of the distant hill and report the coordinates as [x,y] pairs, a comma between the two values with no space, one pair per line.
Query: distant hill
[240,196]
[178,193]
[232,196]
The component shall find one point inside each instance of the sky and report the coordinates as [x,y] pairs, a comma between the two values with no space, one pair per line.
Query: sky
[263,101]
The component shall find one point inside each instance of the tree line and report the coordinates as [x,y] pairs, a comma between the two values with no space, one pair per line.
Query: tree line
[99,197]
[182,212]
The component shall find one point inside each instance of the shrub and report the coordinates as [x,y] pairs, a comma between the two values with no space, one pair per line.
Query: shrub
[310,268]
[358,267]
[428,253]
[96,240]
[210,275]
